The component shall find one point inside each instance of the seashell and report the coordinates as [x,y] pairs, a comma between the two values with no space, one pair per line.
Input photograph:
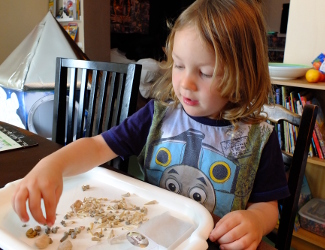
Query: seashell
[66,245]
[43,241]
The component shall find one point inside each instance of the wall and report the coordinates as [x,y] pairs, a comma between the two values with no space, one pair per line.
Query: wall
[305,31]
[97,39]
[272,10]
[137,46]
[18,18]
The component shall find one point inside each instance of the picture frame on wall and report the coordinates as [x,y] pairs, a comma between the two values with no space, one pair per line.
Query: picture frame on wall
[130,16]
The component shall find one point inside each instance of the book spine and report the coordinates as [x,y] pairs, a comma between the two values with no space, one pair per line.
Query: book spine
[317,144]
[318,125]
[303,101]
[285,124]
[291,133]
[293,128]
[320,139]
[278,101]
[319,151]
[294,109]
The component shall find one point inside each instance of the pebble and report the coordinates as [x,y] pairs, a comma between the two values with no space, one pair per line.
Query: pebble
[65,245]
[43,241]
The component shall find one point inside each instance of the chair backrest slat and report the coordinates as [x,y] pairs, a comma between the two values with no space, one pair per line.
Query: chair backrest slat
[82,99]
[117,106]
[297,161]
[100,95]
[100,101]
[110,108]
[71,106]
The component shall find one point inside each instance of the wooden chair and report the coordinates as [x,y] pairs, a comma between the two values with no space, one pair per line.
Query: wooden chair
[106,93]
[297,165]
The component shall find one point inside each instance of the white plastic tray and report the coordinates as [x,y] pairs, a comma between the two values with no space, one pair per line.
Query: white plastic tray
[105,184]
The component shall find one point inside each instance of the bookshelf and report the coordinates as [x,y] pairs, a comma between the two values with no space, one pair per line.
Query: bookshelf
[93,35]
[300,83]
[315,169]
[305,240]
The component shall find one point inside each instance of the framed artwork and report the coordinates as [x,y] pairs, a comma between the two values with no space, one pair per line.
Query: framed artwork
[130,16]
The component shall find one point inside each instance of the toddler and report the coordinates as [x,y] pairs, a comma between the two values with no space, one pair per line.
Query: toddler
[202,136]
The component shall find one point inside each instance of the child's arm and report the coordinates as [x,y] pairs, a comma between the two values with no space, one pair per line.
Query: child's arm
[45,180]
[244,229]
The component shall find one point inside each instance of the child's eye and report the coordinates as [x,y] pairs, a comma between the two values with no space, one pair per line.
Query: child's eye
[205,75]
[178,66]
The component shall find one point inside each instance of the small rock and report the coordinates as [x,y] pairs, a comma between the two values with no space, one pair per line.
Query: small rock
[65,245]
[43,241]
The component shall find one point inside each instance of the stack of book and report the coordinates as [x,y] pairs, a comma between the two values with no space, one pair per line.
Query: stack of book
[294,99]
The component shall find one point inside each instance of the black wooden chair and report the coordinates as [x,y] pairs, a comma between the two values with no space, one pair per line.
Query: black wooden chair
[296,167]
[100,95]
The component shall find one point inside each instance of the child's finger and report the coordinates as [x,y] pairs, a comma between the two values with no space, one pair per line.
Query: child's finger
[18,202]
[50,202]
[35,206]
[223,226]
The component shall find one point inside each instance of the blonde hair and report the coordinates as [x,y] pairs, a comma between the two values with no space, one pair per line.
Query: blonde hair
[235,31]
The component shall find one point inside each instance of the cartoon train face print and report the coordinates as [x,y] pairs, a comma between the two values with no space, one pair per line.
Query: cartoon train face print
[185,165]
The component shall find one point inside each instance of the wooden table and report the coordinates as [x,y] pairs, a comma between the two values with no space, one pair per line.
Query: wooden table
[15,164]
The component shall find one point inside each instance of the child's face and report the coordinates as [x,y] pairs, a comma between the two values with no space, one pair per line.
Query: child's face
[192,75]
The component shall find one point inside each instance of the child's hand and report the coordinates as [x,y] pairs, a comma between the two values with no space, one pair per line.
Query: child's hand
[244,229]
[43,182]
[238,230]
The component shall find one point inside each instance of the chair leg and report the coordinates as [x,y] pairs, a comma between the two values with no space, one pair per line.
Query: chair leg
[272,236]
[119,164]
[124,165]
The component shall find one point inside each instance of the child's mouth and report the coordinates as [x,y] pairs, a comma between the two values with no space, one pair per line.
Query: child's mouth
[190,102]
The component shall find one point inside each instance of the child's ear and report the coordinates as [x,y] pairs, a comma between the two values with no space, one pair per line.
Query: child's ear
[164,49]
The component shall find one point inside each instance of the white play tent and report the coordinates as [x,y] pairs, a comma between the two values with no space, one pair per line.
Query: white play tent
[27,76]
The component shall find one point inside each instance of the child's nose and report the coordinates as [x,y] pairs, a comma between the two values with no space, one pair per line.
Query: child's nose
[188,82]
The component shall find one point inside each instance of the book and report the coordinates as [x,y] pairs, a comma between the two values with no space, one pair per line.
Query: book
[285,124]
[279,125]
[52,7]
[315,139]
[11,138]
[72,29]
[293,99]
[319,125]
[77,10]
[291,140]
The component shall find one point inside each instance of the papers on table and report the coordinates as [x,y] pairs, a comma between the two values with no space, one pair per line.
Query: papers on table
[13,139]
